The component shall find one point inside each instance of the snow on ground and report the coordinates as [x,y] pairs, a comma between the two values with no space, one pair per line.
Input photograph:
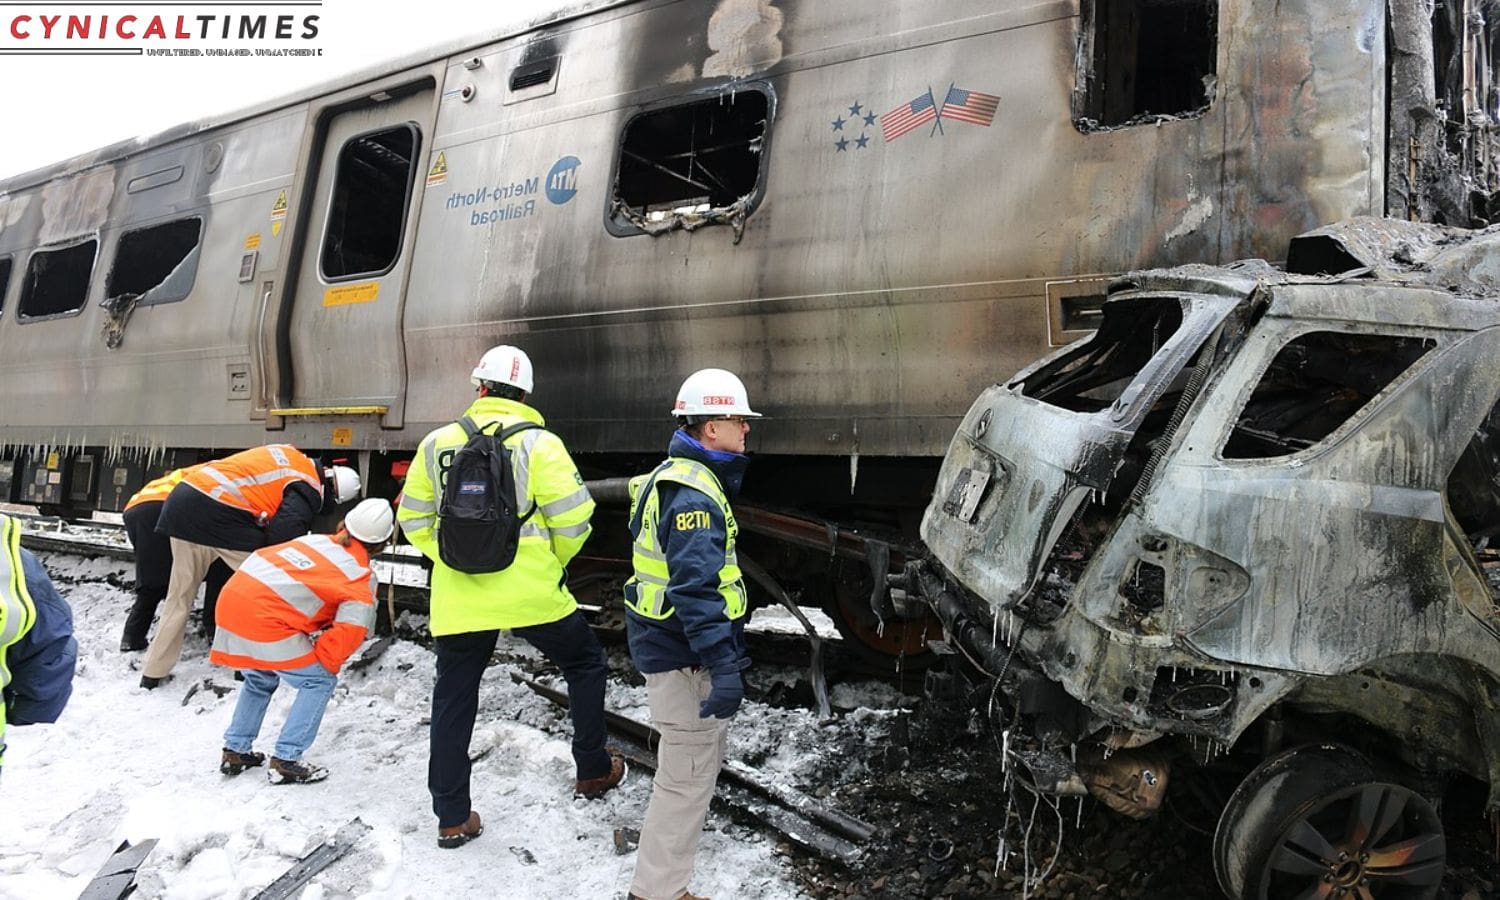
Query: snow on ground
[129,764]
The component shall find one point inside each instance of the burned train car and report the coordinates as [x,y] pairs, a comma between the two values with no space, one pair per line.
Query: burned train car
[867,209]
[1253,515]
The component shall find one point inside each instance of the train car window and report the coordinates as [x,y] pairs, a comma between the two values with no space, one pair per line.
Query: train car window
[57,281]
[156,264]
[371,193]
[5,266]
[1144,59]
[691,164]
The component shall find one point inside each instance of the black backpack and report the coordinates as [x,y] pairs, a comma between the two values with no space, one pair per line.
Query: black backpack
[479,524]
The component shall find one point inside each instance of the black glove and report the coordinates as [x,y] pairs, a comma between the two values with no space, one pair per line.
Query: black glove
[724,700]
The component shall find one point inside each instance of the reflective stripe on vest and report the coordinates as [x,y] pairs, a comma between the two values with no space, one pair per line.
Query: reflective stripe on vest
[254,480]
[17,612]
[646,555]
[292,573]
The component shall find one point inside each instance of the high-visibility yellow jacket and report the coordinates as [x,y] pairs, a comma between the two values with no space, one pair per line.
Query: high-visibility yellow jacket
[531,591]
[17,612]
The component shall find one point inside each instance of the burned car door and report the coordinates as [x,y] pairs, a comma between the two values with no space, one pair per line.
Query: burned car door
[1030,452]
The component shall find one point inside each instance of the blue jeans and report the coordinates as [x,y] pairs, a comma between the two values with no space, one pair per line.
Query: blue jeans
[314,686]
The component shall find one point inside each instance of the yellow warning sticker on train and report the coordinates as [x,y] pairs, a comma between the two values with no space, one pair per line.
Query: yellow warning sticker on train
[351,293]
[342,437]
[439,171]
[278,211]
[252,241]
[52,460]
[276,229]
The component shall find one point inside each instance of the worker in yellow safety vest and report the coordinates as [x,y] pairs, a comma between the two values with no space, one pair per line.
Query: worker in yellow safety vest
[37,650]
[529,596]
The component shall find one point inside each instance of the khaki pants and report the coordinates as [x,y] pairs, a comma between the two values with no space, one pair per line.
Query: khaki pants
[190,563]
[687,765]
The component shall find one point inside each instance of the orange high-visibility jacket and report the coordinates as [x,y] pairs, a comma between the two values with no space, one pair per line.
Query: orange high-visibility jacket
[156,491]
[284,594]
[255,479]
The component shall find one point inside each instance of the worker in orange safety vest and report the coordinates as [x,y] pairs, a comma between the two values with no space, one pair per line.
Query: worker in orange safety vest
[294,613]
[153,561]
[225,509]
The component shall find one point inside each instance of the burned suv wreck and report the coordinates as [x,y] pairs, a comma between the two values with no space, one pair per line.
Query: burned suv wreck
[1251,516]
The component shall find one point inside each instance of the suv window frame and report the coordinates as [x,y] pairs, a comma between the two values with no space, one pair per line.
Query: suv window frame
[1295,329]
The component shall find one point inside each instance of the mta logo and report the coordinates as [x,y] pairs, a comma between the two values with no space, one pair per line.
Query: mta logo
[562,181]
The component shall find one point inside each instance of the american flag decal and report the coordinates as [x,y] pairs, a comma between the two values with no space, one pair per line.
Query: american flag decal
[969,106]
[908,116]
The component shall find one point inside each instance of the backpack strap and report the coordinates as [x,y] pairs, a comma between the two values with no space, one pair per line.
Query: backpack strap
[470,429]
[501,437]
[515,429]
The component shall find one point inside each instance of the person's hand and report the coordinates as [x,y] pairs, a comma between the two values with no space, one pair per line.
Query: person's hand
[724,700]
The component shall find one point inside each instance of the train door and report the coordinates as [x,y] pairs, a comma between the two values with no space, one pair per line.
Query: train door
[339,328]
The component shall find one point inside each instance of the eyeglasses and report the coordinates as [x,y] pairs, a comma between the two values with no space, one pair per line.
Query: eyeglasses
[739,420]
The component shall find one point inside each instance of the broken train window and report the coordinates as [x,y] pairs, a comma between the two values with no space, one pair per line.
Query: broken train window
[57,280]
[152,265]
[1316,383]
[1095,373]
[5,267]
[156,264]
[691,164]
[371,193]
[1141,59]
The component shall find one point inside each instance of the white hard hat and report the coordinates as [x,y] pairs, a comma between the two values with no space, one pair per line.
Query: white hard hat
[504,365]
[371,521]
[713,392]
[345,483]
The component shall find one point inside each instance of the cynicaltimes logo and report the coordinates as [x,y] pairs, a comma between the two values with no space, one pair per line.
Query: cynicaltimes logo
[164,28]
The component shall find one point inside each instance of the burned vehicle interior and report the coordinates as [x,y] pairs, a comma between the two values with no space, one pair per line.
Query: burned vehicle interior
[1246,528]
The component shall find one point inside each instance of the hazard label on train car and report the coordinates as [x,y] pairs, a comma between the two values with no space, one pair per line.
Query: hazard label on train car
[252,241]
[351,293]
[278,210]
[342,437]
[439,172]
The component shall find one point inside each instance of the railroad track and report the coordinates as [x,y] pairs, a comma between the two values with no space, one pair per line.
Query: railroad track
[403,576]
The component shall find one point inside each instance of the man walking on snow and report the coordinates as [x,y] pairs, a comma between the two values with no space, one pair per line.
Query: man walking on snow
[529,596]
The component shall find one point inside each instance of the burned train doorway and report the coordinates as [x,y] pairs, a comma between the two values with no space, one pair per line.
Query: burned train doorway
[338,338]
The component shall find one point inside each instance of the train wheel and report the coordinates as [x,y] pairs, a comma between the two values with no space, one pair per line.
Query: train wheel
[900,645]
[1317,822]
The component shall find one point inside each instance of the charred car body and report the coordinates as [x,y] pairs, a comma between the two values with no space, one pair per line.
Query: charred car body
[1252,513]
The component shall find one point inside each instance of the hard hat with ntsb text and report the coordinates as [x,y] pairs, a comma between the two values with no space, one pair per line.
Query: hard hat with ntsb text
[713,392]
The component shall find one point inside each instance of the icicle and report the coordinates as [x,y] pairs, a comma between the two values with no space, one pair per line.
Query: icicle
[1078,822]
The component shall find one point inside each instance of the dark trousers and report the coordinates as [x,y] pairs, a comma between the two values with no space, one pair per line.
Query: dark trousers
[153,569]
[568,644]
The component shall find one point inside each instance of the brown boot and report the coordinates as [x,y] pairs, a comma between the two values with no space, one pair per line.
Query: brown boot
[233,762]
[456,836]
[591,788]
